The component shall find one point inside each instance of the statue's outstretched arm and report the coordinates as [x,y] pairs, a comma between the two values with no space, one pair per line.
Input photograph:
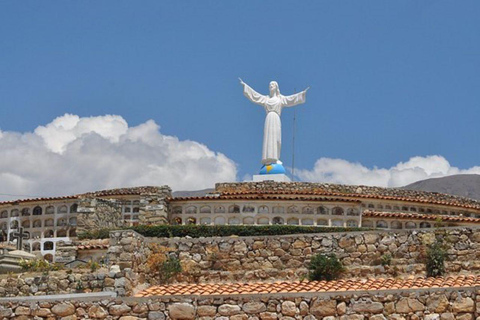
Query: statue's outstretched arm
[252,95]
[294,99]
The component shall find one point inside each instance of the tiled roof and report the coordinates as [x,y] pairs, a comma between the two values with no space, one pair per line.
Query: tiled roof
[311,286]
[321,195]
[38,199]
[123,191]
[92,246]
[102,193]
[294,191]
[356,191]
[263,196]
[417,216]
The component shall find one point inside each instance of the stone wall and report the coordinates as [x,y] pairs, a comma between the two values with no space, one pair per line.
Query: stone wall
[65,252]
[97,211]
[431,304]
[62,282]
[287,257]
[99,214]
[154,207]
[127,249]
[84,250]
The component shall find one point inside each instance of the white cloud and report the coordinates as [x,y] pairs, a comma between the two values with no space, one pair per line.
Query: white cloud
[66,129]
[415,169]
[73,154]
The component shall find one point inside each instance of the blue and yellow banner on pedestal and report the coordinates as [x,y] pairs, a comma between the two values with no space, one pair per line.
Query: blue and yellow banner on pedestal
[274,168]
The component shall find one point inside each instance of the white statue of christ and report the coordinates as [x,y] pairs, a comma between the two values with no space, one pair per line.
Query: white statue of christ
[273,104]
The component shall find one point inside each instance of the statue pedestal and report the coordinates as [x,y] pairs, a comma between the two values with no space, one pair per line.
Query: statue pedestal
[279,177]
[272,172]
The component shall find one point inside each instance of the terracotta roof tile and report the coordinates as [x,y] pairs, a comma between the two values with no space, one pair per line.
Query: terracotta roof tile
[417,216]
[101,193]
[92,246]
[312,286]
[319,194]
[249,196]
[38,199]
[124,191]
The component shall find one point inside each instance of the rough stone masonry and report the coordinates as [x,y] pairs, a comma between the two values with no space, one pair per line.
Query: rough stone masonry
[287,257]
[445,304]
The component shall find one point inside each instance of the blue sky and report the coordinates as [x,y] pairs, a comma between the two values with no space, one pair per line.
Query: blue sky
[390,80]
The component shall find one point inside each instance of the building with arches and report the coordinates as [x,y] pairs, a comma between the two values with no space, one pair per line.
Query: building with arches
[50,221]
[47,222]
[317,204]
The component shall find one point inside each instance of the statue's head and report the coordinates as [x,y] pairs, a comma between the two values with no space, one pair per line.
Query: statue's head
[274,89]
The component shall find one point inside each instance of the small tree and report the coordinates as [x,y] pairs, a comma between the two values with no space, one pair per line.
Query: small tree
[160,262]
[435,262]
[324,267]
[169,268]
[386,259]
[439,223]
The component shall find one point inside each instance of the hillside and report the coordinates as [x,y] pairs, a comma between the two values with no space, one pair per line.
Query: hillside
[465,185]
[195,193]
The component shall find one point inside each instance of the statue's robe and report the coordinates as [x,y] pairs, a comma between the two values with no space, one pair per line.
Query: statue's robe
[272,134]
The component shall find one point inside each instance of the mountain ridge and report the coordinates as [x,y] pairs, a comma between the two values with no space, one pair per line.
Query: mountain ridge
[464,185]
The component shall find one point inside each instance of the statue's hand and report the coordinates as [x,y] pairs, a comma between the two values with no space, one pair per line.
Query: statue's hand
[241,81]
[307,89]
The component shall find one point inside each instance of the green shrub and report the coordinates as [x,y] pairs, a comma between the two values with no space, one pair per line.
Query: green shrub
[95,234]
[196,231]
[386,259]
[324,267]
[167,269]
[42,265]
[93,265]
[435,259]
[160,262]
[170,268]
[439,223]
[80,286]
